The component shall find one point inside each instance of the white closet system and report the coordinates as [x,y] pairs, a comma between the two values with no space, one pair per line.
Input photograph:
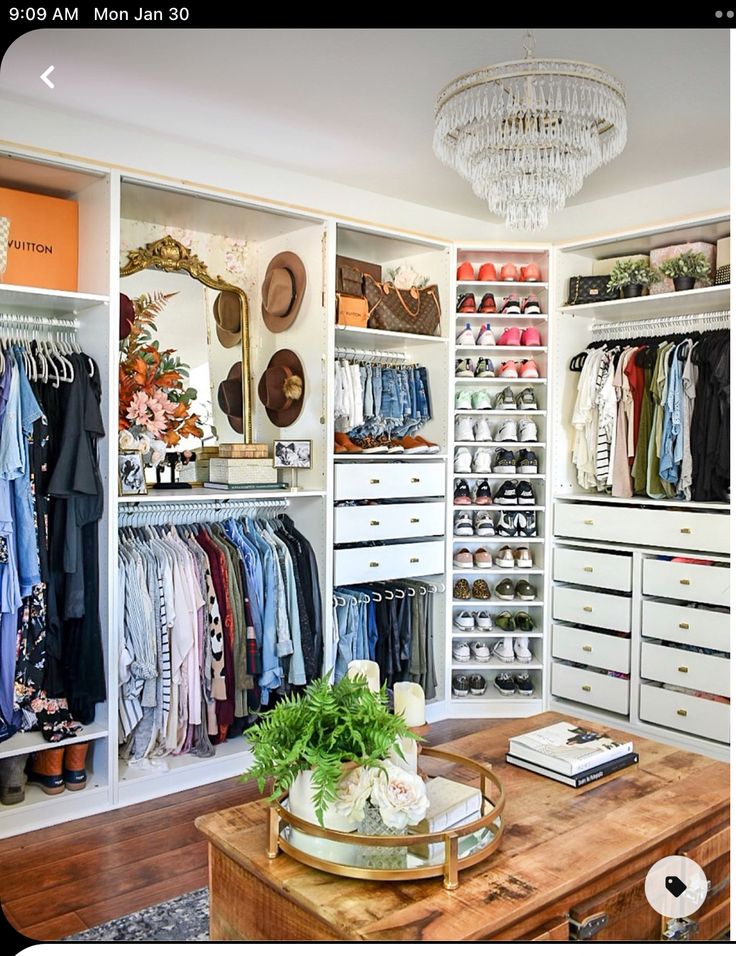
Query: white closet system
[424,483]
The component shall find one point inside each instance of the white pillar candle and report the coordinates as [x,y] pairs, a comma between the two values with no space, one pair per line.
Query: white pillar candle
[409,701]
[367,669]
[409,750]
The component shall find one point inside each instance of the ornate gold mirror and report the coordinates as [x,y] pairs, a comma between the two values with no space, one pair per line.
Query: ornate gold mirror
[209,333]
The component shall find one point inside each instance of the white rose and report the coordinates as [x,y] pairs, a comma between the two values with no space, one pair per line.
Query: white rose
[127,441]
[401,797]
[144,444]
[353,792]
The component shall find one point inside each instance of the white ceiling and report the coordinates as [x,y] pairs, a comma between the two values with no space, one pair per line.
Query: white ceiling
[356,106]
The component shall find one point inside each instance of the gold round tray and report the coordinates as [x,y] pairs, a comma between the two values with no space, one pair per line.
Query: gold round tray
[340,853]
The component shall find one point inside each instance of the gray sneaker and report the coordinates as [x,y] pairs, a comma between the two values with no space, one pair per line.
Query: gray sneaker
[527,400]
[505,399]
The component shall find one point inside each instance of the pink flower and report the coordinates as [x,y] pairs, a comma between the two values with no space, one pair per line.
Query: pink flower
[147,411]
[163,399]
[137,411]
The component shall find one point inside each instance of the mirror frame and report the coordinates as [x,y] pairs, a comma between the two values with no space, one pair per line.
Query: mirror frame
[169,255]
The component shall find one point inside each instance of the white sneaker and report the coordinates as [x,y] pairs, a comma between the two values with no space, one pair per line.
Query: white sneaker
[506,431]
[504,650]
[461,652]
[527,430]
[463,621]
[483,621]
[481,461]
[463,401]
[482,400]
[521,649]
[484,526]
[480,651]
[466,337]
[464,428]
[485,336]
[463,460]
[482,430]
[463,525]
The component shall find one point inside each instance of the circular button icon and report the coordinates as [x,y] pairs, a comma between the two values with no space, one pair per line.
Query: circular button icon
[676,886]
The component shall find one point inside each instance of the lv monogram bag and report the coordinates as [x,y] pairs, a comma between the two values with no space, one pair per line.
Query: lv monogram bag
[402,310]
[585,289]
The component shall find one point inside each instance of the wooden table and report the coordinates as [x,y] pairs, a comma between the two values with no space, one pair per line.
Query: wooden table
[566,856]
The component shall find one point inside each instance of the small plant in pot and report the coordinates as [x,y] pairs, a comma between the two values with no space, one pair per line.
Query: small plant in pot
[685,269]
[631,276]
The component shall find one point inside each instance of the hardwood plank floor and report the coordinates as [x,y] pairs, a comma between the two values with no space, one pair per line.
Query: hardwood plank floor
[63,879]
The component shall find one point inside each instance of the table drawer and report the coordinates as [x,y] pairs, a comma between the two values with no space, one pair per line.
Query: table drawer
[691,715]
[608,611]
[685,529]
[687,582]
[353,565]
[379,522]
[686,668]
[686,625]
[591,647]
[590,687]
[415,479]
[595,568]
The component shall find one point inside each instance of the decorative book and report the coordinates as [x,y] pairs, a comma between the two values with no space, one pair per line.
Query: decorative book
[239,450]
[449,802]
[568,749]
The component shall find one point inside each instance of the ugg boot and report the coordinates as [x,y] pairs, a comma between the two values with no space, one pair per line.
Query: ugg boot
[45,770]
[75,775]
[13,779]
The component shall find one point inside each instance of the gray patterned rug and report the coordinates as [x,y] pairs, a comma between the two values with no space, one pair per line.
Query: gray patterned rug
[184,919]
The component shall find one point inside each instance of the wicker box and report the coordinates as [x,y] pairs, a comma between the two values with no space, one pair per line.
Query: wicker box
[260,450]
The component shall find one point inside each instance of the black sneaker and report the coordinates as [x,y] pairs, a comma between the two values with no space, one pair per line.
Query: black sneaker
[523,683]
[525,523]
[506,494]
[460,685]
[461,495]
[464,368]
[504,463]
[505,684]
[527,463]
[525,493]
[483,492]
[477,685]
[484,369]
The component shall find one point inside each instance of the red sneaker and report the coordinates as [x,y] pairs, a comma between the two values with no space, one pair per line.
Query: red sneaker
[465,272]
[530,337]
[488,303]
[528,369]
[466,302]
[487,272]
[510,336]
[509,272]
[531,273]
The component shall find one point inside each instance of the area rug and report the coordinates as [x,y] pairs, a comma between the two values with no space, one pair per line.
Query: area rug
[183,919]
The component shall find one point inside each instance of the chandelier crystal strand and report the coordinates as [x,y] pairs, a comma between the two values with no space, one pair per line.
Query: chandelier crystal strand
[526,134]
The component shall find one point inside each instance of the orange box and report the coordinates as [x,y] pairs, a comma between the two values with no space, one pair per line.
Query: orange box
[351,310]
[44,240]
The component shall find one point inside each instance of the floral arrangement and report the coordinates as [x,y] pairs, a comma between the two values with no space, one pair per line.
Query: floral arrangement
[154,399]
[399,796]
[631,272]
[688,264]
[407,277]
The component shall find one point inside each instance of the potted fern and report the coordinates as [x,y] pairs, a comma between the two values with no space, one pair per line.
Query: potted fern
[308,744]
[685,269]
[631,276]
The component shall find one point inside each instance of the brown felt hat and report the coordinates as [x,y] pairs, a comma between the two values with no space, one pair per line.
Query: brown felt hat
[282,291]
[230,397]
[228,312]
[281,388]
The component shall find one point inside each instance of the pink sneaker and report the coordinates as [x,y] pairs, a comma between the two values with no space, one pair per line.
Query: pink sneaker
[508,370]
[531,306]
[528,369]
[510,336]
[530,337]
[531,273]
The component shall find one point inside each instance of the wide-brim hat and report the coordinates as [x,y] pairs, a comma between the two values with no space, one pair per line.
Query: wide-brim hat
[282,291]
[127,315]
[228,312]
[281,388]
[230,397]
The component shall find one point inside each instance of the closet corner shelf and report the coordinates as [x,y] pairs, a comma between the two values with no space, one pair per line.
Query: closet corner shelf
[670,304]
[655,502]
[55,301]
[32,741]
[213,494]
[351,335]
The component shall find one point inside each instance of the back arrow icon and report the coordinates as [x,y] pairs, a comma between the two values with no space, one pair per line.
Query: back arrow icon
[45,77]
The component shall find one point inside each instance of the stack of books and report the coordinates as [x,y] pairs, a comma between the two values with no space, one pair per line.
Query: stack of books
[450,804]
[571,754]
[243,468]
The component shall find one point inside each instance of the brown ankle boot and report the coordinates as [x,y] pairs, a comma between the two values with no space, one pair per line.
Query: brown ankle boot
[75,775]
[45,770]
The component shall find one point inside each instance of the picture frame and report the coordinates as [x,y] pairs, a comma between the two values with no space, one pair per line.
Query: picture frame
[292,453]
[131,474]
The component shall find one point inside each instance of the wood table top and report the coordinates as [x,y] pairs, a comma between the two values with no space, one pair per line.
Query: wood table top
[556,839]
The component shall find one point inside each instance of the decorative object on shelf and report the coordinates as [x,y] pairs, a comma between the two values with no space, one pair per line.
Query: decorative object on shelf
[131,473]
[526,133]
[351,310]
[281,388]
[282,291]
[293,454]
[4,239]
[237,450]
[723,275]
[657,258]
[43,249]
[585,289]
[685,269]
[406,277]
[228,313]
[350,274]
[173,460]
[631,277]
[230,396]
[367,669]
[411,310]
[409,702]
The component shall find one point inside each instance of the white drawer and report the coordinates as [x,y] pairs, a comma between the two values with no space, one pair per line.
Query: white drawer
[687,582]
[609,611]
[410,479]
[590,647]
[686,625]
[686,668]
[590,687]
[594,568]
[380,522]
[353,565]
[691,715]
[664,527]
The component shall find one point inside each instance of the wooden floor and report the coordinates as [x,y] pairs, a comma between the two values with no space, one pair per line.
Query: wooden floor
[64,879]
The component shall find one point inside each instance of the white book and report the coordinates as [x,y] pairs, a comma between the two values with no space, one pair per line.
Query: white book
[449,802]
[568,749]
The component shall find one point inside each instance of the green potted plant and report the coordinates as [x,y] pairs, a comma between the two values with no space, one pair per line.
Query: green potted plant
[685,269]
[631,276]
[308,744]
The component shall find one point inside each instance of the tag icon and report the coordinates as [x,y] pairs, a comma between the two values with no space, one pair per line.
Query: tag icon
[676,887]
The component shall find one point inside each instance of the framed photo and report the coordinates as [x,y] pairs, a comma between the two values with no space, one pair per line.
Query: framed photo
[295,453]
[131,473]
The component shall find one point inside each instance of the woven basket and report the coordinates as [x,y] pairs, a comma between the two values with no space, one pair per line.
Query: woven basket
[4,237]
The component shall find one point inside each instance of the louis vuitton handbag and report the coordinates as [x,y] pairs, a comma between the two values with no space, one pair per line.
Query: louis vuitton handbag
[402,310]
[585,289]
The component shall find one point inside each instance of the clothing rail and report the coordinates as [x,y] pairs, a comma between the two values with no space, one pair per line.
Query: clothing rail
[34,321]
[698,321]
[348,352]
[388,593]
[138,513]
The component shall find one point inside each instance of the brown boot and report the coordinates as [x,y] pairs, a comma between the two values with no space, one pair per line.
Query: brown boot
[75,775]
[13,779]
[45,770]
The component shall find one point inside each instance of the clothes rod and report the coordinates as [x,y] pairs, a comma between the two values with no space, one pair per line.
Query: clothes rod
[697,321]
[50,321]
[348,352]
[192,512]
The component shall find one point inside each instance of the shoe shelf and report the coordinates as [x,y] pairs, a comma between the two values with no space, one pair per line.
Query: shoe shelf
[480,603]
[504,444]
[493,380]
[503,539]
[498,507]
[497,316]
[490,474]
[32,741]
[496,665]
[500,572]
[500,284]
[501,411]
[508,349]
[495,633]
[384,456]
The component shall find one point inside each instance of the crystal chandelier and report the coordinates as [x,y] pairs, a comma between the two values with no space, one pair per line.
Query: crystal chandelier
[525,134]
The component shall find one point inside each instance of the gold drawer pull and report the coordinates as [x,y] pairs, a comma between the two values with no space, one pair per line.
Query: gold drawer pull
[413,520]
[375,524]
[588,521]
[585,687]
[683,669]
[587,647]
[373,564]
[683,625]
[415,481]
[413,560]
[686,531]
[587,608]
[374,481]
[684,580]
[589,569]
[681,712]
